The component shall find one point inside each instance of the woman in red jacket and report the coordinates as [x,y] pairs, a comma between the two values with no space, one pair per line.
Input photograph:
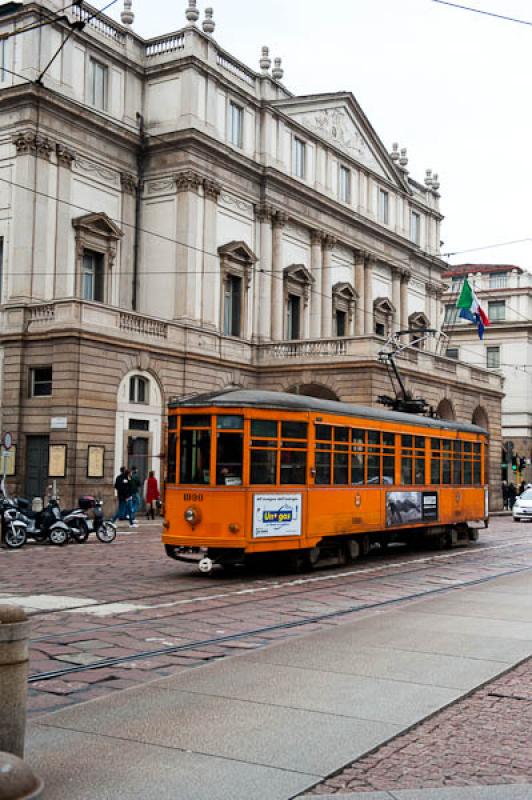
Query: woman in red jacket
[151,494]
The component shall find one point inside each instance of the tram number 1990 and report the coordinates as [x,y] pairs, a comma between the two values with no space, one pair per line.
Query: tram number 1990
[189,497]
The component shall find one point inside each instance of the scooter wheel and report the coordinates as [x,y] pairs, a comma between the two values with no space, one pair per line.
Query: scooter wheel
[80,532]
[106,532]
[58,536]
[15,537]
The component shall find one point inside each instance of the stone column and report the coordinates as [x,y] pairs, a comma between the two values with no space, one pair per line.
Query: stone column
[44,235]
[189,255]
[123,284]
[396,298]
[278,311]
[210,287]
[405,277]
[21,250]
[316,270]
[360,309]
[328,243]
[65,257]
[368,294]
[262,325]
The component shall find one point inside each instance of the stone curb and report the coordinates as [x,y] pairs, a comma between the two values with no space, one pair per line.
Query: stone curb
[514,791]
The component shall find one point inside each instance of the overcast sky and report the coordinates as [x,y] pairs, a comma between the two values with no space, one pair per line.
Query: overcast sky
[450,85]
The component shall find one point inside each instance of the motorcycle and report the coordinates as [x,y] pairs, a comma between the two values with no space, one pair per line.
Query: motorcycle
[105,531]
[20,523]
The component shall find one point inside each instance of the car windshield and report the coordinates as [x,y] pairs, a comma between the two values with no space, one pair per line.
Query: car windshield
[526,495]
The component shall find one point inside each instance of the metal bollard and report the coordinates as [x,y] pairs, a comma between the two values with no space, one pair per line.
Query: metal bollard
[14,633]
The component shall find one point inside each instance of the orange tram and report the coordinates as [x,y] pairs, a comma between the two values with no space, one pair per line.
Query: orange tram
[257,473]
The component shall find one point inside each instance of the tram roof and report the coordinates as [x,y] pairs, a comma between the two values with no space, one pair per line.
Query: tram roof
[256,398]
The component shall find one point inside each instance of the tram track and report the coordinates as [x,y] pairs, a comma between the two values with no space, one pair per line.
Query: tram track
[259,586]
[311,619]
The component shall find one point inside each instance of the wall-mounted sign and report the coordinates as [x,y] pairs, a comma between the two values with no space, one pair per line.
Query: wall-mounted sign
[9,458]
[7,440]
[276,515]
[57,461]
[58,423]
[95,461]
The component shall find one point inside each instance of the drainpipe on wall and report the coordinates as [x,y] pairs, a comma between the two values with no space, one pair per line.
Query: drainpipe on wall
[138,209]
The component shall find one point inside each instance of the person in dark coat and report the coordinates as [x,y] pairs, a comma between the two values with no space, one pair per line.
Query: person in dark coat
[124,493]
[505,494]
[512,494]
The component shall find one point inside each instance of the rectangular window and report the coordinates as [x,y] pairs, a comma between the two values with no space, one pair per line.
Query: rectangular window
[229,458]
[236,124]
[452,352]
[493,357]
[496,310]
[451,314]
[341,323]
[384,206]
[195,456]
[412,460]
[344,184]
[263,456]
[41,382]
[293,317]
[299,157]
[435,461]
[171,473]
[498,280]
[415,227]
[92,276]
[98,85]
[232,305]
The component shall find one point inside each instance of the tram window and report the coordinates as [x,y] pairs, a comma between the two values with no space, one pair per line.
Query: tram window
[435,462]
[264,427]
[468,473]
[406,469]
[229,455]
[388,470]
[341,469]
[195,454]
[446,455]
[388,439]
[263,467]
[406,441]
[419,471]
[357,468]
[477,473]
[294,430]
[358,437]
[196,421]
[230,422]
[293,467]
[323,468]
[374,437]
[457,463]
[172,459]
[341,434]
[323,433]
[373,469]
[419,442]
[172,422]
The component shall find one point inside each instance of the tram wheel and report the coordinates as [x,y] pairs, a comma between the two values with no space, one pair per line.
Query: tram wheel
[309,558]
[364,545]
[353,549]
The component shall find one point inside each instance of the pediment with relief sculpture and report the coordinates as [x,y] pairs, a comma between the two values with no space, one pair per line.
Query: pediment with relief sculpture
[339,120]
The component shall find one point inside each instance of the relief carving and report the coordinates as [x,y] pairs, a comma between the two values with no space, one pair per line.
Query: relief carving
[335,126]
[34,144]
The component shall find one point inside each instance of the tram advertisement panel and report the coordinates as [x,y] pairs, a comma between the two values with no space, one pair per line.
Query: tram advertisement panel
[276,515]
[408,508]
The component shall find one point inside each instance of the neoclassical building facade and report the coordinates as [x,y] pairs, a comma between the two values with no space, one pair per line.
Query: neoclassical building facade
[173,222]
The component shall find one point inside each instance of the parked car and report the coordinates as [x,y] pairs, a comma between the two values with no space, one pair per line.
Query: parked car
[522,508]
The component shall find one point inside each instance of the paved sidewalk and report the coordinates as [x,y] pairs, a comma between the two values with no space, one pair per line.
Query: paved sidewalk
[501,792]
[270,724]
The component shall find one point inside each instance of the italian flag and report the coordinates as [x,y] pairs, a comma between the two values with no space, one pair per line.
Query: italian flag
[470,308]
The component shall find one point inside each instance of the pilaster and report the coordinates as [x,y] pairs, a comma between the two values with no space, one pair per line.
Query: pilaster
[369,262]
[316,270]
[189,249]
[123,275]
[65,278]
[279,220]
[262,325]
[210,287]
[328,244]
[360,311]
[405,278]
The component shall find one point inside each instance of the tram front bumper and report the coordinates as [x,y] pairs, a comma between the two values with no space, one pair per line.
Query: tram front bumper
[195,555]
[192,555]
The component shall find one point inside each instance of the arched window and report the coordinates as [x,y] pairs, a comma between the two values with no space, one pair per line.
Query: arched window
[139,390]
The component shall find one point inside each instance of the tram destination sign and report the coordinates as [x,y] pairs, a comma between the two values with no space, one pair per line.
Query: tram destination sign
[276,515]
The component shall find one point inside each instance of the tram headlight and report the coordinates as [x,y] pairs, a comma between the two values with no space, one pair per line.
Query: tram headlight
[192,515]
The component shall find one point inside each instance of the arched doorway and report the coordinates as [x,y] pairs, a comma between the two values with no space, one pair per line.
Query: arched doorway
[480,418]
[445,410]
[138,424]
[314,390]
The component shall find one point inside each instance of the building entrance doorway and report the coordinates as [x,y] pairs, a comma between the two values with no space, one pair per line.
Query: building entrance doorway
[36,466]
[138,453]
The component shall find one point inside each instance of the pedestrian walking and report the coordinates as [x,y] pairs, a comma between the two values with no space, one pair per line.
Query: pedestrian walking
[151,494]
[505,494]
[124,492]
[135,486]
[522,487]
[512,494]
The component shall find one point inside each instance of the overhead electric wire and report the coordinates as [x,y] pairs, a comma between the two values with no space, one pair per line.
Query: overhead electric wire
[483,12]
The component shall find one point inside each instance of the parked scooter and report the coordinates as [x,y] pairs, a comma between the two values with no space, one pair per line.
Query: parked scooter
[95,523]
[20,523]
